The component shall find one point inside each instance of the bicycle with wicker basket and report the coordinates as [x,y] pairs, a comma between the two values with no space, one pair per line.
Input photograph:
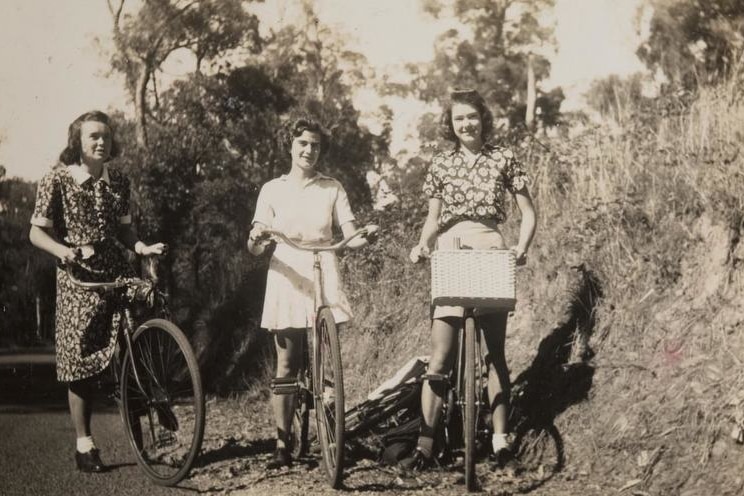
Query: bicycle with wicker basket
[470,279]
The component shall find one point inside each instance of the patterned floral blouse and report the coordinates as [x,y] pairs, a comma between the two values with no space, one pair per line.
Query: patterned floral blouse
[476,192]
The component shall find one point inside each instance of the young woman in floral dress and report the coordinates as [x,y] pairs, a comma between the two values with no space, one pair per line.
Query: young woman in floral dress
[82,202]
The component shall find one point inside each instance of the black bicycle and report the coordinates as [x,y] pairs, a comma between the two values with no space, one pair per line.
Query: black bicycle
[159,393]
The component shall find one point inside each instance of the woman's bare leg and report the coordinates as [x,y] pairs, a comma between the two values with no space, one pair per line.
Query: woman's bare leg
[79,398]
[443,349]
[288,346]
[499,385]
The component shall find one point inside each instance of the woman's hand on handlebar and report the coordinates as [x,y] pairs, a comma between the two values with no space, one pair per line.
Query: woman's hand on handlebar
[520,254]
[418,253]
[258,239]
[153,249]
[358,238]
[69,254]
[371,233]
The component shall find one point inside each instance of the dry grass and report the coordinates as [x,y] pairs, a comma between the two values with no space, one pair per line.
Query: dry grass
[628,337]
[653,210]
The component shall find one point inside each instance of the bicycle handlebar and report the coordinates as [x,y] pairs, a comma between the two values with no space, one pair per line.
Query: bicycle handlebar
[364,231]
[90,286]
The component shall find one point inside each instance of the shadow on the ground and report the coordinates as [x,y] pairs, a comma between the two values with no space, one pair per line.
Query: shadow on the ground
[234,449]
[559,376]
[386,480]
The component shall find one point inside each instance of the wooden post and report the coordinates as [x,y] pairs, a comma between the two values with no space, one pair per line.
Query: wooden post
[529,117]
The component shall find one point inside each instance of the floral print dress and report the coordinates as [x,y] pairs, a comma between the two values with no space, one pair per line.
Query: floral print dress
[81,210]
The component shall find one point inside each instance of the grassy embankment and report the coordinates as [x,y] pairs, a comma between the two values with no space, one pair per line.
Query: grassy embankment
[628,333]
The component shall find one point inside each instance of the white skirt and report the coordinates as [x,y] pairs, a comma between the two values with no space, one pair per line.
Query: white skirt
[289,301]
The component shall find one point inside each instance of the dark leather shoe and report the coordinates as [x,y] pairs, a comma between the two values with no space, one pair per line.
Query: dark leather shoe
[505,461]
[167,418]
[281,458]
[417,462]
[89,462]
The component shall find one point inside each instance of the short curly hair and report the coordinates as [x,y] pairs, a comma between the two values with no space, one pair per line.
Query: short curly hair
[299,125]
[469,97]
[72,152]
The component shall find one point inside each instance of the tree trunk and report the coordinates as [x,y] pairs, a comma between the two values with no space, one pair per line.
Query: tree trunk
[140,106]
[529,117]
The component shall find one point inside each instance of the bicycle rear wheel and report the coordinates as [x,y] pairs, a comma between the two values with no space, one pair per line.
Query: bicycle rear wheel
[328,390]
[469,397]
[164,418]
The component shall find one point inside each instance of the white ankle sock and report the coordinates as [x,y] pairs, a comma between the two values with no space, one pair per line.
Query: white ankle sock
[499,442]
[85,444]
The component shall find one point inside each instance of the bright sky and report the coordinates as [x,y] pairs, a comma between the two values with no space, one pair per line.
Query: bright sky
[53,69]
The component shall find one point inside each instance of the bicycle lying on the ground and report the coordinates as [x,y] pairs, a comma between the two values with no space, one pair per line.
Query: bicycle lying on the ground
[159,393]
[319,386]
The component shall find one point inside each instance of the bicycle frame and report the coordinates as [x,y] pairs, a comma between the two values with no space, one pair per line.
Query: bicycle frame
[129,325]
[316,384]
[458,370]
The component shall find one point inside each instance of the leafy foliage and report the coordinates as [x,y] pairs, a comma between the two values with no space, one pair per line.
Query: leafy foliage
[489,53]
[694,42]
[25,275]
[146,37]
[216,142]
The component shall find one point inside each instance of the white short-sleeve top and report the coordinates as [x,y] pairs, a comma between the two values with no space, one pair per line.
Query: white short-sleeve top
[305,213]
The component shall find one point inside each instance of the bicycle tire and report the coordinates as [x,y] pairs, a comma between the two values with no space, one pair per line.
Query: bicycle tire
[328,391]
[469,398]
[164,422]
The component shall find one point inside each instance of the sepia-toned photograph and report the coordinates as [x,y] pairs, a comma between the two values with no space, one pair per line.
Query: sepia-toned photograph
[371,247]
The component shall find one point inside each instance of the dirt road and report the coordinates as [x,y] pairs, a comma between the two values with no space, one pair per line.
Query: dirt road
[37,449]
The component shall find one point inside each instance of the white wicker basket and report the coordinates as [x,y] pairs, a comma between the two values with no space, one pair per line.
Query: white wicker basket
[474,278]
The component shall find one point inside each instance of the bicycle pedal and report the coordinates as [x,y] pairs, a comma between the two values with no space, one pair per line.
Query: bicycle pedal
[285,385]
[436,378]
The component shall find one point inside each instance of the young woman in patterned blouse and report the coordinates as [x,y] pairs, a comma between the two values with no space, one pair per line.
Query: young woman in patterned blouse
[83,203]
[468,188]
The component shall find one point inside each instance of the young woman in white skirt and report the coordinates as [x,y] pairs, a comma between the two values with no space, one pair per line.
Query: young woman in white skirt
[468,188]
[305,205]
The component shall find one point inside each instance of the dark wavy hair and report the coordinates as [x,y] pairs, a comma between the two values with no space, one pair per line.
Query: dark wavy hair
[299,125]
[469,97]
[71,154]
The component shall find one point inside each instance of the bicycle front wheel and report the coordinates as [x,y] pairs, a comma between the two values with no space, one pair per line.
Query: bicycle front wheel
[328,390]
[469,398]
[162,401]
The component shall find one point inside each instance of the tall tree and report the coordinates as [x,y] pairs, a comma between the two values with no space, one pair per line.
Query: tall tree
[490,52]
[694,42]
[313,65]
[145,38]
